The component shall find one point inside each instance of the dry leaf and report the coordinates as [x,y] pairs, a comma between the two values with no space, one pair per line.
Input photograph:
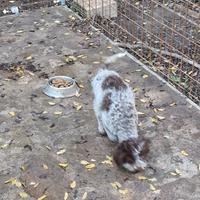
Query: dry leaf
[77,105]
[172,104]
[184,153]
[143,100]
[45,166]
[84,162]
[116,185]
[42,197]
[109,47]
[84,196]
[60,152]
[142,178]
[127,80]
[178,171]
[173,174]
[57,112]
[155,110]
[154,120]
[198,167]
[140,113]
[63,165]
[66,195]
[13,181]
[49,148]
[138,70]
[12,113]
[145,76]
[160,109]
[4,146]
[152,187]
[107,162]
[22,168]
[123,191]
[23,195]
[109,158]
[51,103]
[73,184]
[80,85]
[136,89]
[29,58]
[96,62]
[160,117]
[36,185]
[90,166]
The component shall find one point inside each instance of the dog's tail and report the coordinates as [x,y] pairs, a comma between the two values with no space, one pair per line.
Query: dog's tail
[113,58]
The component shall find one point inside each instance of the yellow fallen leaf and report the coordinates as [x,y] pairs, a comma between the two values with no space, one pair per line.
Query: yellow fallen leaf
[23,168]
[96,62]
[116,185]
[84,196]
[160,117]
[152,187]
[29,58]
[173,174]
[77,105]
[90,166]
[80,56]
[172,104]
[178,171]
[109,157]
[160,109]
[36,185]
[45,166]
[12,113]
[127,80]
[60,152]
[84,162]
[15,182]
[123,191]
[57,112]
[138,70]
[109,47]
[143,100]
[23,195]
[42,197]
[184,153]
[140,113]
[66,195]
[155,110]
[142,178]
[51,103]
[49,148]
[3,146]
[9,180]
[107,162]
[73,184]
[145,76]
[154,120]
[136,89]
[80,85]
[63,165]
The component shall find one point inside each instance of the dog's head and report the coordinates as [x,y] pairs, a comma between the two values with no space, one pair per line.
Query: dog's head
[129,153]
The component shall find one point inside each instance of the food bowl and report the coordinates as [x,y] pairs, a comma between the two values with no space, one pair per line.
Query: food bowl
[61,87]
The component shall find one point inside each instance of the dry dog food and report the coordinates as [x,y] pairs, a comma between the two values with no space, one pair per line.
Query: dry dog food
[61,83]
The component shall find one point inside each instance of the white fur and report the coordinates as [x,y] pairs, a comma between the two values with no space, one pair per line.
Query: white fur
[120,122]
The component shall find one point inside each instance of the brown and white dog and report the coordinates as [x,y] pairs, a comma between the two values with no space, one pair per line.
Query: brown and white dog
[114,106]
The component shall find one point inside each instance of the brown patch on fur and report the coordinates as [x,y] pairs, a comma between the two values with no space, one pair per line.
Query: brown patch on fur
[124,151]
[113,82]
[106,102]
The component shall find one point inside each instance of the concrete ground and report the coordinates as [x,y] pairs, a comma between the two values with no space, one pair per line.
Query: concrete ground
[33,47]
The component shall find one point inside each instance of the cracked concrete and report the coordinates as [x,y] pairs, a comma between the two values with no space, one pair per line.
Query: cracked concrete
[48,35]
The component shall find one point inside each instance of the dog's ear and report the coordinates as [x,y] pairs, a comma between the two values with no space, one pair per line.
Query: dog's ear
[143,145]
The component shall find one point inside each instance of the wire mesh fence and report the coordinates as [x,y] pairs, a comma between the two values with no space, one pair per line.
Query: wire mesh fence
[164,34]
